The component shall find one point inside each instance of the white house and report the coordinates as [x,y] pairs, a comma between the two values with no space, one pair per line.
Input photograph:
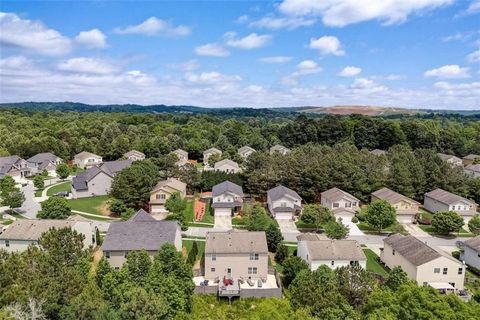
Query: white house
[208,153]
[86,160]
[451,159]
[245,151]
[283,203]
[134,155]
[473,170]
[227,166]
[182,157]
[423,263]
[227,198]
[440,200]
[317,250]
[342,203]
[471,252]
[280,149]
[24,232]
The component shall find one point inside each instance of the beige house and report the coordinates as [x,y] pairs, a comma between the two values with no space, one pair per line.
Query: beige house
[280,149]
[423,263]
[24,232]
[208,153]
[317,250]
[134,155]
[473,170]
[162,191]
[405,208]
[440,200]
[141,232]
[283,203]
[182,157]
[342,203]
[227,166]
[227,198]
[15,167]
[44,161]
[469,159]
[245,151]
[86,160]
[450,159]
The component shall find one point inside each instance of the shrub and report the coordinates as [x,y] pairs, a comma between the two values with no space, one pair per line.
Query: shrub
[355,220]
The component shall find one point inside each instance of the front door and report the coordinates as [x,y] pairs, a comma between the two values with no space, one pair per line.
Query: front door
[229,273]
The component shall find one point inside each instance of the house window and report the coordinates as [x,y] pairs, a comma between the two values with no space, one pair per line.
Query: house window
[253,256]
[107,254]
[354,204]
[460,270]
[336,205]
[125,254]
[445,270]
[160,196]
[348,204]
[214,257]
[252,270]
[436,270]
[7,243]
[453,207]
[354,263]
[117,268]
[393,252]
[283,204]
[212,269]
[332,263]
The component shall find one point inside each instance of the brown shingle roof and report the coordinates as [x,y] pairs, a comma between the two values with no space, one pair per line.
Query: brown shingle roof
[32,230]
[236,242]
[336,194]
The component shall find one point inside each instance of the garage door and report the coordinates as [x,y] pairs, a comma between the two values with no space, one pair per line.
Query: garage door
[226,212]
[283,215]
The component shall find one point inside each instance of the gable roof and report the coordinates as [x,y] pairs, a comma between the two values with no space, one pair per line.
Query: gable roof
[471,157]
[446,197]
[311,237]
[110,168]
[391,196]
[32,229]
[278,147]
[226,162]
[335,250]
[85,154]
[227,186]
[414,250]
[113,167]
[473,243]
[181,152]
[212,150]
[43,157]
[446,157]
[378,152]
[245,149]
[140,233]
[134,153]
[473,167]
[142,216]
[9,160]
[334,194]
[234,241]
[172,183]
[279,191]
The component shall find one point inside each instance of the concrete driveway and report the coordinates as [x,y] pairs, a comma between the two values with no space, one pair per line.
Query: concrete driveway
[415,230]
[30,207]
[289,229]
[354,230]
[223,222]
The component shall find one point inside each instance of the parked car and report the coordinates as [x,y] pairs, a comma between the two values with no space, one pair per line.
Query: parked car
[61,194]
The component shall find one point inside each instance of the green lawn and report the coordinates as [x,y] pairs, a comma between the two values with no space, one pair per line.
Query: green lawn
[89,205]
[364,226]
[301,224]
[15,215]
[239,221]
[373,265]
[199,225]
[189,211]
[208,216]
[61,187]
[201,247]
[38,193]
[94,218]
[462,233]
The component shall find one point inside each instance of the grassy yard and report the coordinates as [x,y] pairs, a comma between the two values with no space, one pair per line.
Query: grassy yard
[61,187]
[303,225]
[239,221]
[38,193]
[187,244]
[372,263]
[364,226]
[208,216]
[89,205]
[462,233]
[95,218]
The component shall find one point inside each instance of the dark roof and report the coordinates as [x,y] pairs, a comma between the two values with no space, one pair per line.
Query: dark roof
[280,191]
[473,243]
[9,160]
[391,196]
[140,233]
[446,197]
[227,186]
[112,167]
[142,216]
[79,182]
[413,250]
[43,157]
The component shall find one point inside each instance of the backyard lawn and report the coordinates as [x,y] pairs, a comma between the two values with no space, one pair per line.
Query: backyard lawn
[462,233]
[90,205]
[187,244]
[364,226]
[373,265]
[61,187]
[208,216]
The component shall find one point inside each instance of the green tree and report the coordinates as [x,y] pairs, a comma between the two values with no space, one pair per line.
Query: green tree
[144,305]
[55,208]
[380,214]
[7,184]
[446,222]
[281,254]
[117,207]
[137,266]
[291,267]
[355,284]
[316,214]
[175,204]
[63,171]
[38,182]
[336,230]
[396,278]
[274,237]
[474,225]
[89,304]
[214,158]
[13,198]
[258,219]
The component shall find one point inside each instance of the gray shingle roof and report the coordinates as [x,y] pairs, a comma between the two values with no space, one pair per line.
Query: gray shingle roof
[446,157]
[474,243]
[335,250]
[471,157]
[9,160]
[112,167]
[279,147]
[226,162]
[79,182]
[311,237]
[85,154]
[134,153]
[236,242]
[378,152]
[212,150]
[181,152]
[473,167]
[446,197]
[391,196]
[140,233]
[227,186]
[32,230]
[413,250]
[280,191]
[43,157]
[335,194]
[172,183]
[245,149]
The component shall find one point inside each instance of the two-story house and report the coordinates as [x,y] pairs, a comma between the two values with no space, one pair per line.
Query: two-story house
[423,263]
[405,207]
[134,155]
[440,200]
[162,191]
[86,160]
[450,159]
[342,203]
[15,167]
[140,232]
[208,153]
[227,198]
[283,203]
[245,151]
[280,149]
[317,250]
[471,252]
[44,161]
[182,157]
[227,166]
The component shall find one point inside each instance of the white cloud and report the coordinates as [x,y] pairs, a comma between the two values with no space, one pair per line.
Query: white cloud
[252,41]
[154,26]
[474,7]
[212,50]
[389,77]
[474,57]
[275,23]
[327,45]
[305,67]
[212,77]
[339,13]
[451,71]
[242,19]
[275,59]
[89,65]
[94,39]
[31,36]
[349,71]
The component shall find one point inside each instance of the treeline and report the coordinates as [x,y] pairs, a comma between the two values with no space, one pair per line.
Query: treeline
[27,132]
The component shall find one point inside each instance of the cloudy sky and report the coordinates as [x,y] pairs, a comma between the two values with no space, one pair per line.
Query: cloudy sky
[406,53]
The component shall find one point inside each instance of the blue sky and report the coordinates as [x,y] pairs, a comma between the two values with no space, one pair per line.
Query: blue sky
[405,53]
